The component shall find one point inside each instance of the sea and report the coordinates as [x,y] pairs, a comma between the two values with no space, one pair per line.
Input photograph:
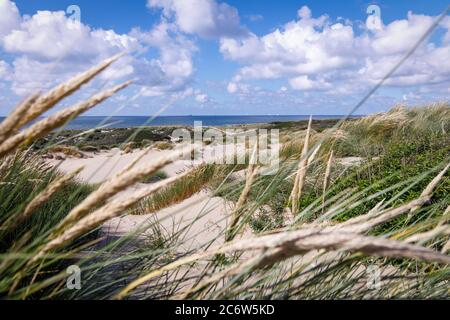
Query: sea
[89,122]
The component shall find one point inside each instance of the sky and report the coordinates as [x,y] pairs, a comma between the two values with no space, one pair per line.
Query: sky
[210,57]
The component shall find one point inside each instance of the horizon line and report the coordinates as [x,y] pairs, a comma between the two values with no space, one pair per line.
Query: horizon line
[218,115]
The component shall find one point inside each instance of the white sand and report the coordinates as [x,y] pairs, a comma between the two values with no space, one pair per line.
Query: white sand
[350,161]
[98,167]
[199,220]
[205,216]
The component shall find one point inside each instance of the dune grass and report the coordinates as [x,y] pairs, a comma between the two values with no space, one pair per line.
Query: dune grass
[158,176]
[203,176]
[391,212]
[22,179]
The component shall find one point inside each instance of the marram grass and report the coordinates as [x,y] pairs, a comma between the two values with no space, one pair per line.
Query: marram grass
[334,222]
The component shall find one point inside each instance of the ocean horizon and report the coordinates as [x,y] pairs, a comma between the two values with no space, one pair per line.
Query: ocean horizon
[89,122]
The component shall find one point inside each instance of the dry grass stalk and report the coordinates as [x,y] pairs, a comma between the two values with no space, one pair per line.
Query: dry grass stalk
[394,118]
[301,172]
[346,236]
[135,161]
[429,189]
[117,184]
[234,269]
[445,215]
[252,172]
[111,210]
[10,124]
[421,237]
[375,217]
[46,101]
[6,162]
[284,245]
[313,155]
[384,216]
[288,216]
[57,120]
[365,217]
[351,242]
[446,247]
[326,179]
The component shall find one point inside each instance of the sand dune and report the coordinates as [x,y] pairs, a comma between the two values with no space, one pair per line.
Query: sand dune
[204,215]
[98,167]
[199,220]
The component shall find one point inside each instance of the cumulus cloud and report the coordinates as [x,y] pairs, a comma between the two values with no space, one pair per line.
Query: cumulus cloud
[51,35]
[173,69]
[205,18]
[9,17]
[305,83]
[49,47]
[319,54]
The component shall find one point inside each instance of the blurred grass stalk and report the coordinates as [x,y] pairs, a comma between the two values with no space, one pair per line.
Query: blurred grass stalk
[36,247]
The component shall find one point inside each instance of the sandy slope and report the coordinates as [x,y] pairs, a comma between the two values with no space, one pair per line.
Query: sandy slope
[98,167]
[199,220]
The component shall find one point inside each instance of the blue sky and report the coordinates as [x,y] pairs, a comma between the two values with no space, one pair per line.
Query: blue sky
[227,57]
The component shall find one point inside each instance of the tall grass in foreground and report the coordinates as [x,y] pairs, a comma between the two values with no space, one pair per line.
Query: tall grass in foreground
[346,220]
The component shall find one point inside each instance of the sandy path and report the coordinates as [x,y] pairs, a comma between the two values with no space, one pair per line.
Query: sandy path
[199,219]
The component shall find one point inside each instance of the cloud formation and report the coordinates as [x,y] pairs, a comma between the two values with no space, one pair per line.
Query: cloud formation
[312,59]
[49,47]
[205,18]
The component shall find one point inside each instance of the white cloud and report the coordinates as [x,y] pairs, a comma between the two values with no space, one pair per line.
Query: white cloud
[399,36]
[4,70]
[9,17]
[51,35]
[319,54]
[201,98]
[49,47]
[174,68]
[206,18]
[232,87]
[304,12]
[304,83]
[239,87]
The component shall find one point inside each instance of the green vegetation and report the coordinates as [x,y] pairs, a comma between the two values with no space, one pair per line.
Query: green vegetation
[158,176]
[163,146]
[99,139]
[22,178]
[399,153]
[201,177]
